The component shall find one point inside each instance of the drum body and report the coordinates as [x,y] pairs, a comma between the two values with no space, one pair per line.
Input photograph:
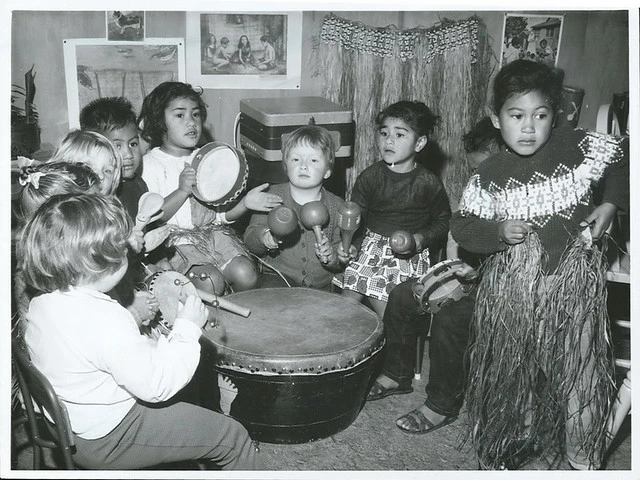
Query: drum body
[300,365]
[221,173]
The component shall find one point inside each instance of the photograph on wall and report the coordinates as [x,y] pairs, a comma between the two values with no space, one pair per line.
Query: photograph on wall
[531,37]
[125,26]
[95,68]
[244,50]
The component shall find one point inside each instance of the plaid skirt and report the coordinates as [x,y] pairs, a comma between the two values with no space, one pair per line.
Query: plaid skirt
[377,270]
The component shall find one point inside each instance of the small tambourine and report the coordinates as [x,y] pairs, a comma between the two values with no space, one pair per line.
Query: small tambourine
[221,173]
[440,286]
[168,287]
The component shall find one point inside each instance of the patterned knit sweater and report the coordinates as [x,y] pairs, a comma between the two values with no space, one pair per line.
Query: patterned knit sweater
[552,190]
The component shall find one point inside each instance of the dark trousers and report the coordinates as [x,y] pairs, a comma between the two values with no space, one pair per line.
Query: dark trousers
[403,321]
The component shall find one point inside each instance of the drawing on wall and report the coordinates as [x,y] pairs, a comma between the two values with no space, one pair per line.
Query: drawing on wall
[531,37]
[95,68]
[125,26]
[244,50]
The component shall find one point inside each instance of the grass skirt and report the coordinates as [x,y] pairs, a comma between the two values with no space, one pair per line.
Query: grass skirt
[541,365]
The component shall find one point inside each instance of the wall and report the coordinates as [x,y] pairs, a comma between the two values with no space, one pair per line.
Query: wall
[594,54]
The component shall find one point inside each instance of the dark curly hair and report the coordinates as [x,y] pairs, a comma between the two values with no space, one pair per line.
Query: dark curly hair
[108,113]
[415,114]
[151,119]
[523,76]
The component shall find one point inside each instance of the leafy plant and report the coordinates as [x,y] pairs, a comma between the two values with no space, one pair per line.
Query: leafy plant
[25,133]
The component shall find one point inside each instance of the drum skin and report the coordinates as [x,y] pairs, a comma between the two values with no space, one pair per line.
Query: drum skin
[221,173]
[302,362]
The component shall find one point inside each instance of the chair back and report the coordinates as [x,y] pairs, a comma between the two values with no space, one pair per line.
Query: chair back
[36,390]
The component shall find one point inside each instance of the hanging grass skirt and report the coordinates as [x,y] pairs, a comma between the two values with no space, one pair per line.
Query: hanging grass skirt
[526,359]
[377,270]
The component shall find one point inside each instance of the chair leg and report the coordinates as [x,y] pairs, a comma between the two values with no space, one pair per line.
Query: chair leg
[417,371]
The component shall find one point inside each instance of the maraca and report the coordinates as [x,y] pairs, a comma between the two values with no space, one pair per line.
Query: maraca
[207,277]
[349,216]
[314,215]
[149,208]
[402,242]
[282,221]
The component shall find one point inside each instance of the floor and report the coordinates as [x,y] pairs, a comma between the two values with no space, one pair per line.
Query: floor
[372,442]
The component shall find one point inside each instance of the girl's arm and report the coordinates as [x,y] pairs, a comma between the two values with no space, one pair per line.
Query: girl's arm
[176,199]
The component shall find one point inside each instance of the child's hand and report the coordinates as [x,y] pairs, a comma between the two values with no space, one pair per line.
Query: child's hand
[268,240]
[144,306]
[513,232]
[136,240]
[466,272]
[325,251]
[344,257]
[187,179]
[256,199]
[601,217]
[193,310]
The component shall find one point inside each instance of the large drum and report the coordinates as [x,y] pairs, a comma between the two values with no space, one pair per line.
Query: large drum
[297,369]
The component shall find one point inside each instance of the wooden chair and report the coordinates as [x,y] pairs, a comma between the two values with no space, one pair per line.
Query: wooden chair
[37,391]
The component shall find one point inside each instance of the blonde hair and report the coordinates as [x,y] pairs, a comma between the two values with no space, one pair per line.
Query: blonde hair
[42,181]
[82,146]
[73,239]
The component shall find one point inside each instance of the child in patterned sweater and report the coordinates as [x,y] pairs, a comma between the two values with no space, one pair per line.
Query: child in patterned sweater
[544,182]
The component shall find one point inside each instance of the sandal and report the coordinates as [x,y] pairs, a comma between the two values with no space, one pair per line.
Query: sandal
[379,391]
[419,424]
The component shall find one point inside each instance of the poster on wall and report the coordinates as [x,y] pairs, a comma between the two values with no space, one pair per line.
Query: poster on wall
[125,26]
[96,68]
[531,37]
[244,50]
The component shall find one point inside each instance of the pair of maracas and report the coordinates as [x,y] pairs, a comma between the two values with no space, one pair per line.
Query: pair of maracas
[283,221]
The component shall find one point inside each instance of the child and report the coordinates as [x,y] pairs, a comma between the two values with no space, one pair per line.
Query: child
[396,194]
[114,118]
[95,150]
[449,331]
[243,54]
[309,155]
[222,56]
[539,187]
[268,60]
[172,116]
[39,183]
[91,351]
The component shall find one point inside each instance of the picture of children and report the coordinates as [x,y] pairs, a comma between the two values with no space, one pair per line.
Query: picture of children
[222,55]
[243,54]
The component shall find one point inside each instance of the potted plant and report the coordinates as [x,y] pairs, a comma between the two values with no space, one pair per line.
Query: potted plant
[25,132]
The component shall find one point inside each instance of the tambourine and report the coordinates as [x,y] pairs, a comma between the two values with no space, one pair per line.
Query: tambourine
[221,173]
[440,286]
[168,287]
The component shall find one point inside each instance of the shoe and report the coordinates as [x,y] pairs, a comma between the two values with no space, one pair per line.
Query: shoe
[419,424]
[379,391]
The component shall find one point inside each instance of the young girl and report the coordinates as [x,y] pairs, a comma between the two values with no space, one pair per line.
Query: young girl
[541,298]
[243,54]
[98,363]
[41,182]
[95,150]
[395,194]
[172,116]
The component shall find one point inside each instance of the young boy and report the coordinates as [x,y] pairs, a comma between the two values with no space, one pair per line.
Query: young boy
[268,60]
[105,372]
[309,155]
[542,183]
[115,119]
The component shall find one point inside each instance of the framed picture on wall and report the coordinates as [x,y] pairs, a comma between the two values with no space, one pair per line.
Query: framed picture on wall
[244,50]
[125,26]
[531,37]
[97,68]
